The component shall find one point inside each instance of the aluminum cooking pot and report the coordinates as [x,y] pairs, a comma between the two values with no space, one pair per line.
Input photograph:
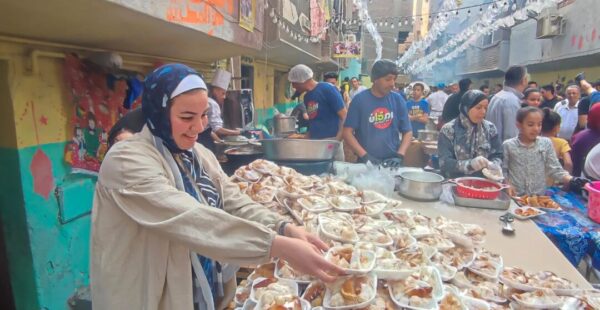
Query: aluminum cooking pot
[283,126]
[420,185]
[428,135]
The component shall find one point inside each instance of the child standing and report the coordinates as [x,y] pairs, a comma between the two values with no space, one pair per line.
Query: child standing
[529,158]
[550,128]
[532,98]
[418,109]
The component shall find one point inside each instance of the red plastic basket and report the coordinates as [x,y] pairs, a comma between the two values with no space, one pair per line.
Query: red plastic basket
[469,187]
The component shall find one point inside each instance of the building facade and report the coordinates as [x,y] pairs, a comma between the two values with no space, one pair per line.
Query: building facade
[44,206]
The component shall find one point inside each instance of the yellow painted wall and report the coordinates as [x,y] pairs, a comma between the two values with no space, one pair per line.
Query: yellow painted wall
[281,85]
[263,86]
[591,73]
[29,94]
[41,111]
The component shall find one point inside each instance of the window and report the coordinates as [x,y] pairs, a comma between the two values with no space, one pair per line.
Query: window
[487,39]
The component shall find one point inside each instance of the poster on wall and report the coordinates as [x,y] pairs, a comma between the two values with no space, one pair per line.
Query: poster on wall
[349,48]
[98,102]
[247,12]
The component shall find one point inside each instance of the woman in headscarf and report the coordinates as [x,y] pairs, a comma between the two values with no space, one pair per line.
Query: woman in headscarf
[469,143]
[166,220]
[583,142]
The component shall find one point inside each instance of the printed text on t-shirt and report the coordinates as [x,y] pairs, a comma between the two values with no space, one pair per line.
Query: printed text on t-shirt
[381,118]
[312,109]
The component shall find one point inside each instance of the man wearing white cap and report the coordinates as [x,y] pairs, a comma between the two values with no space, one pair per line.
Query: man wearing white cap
[218,90]
[324,105]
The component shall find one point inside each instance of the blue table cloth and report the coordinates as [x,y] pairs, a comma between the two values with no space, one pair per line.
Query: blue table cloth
[571,230]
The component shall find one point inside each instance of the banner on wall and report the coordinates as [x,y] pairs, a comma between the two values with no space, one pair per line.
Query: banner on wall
[317,19]
[247,12]
[99,99]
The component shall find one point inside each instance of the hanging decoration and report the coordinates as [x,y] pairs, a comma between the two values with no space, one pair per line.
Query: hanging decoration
[471,35]
[365,18]
[303,32]
[97,99]
[317,20]
[438,27]
[487,18]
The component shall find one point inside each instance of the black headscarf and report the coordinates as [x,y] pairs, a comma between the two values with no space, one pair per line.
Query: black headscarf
[469,100]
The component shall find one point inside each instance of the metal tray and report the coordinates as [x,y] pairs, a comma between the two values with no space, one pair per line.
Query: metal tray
[299,149]
[500,203]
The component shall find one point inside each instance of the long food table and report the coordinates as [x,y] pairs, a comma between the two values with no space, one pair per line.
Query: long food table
[528,248]
[398,254]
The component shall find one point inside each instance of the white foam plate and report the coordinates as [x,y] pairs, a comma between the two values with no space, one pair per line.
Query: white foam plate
[437,294]
[335,237]
[554,305]
[344,203]
[370,196]
[305,305]
[523,218]
[370,255]
[393,274]
[328,293]
[292,285]
[279,276]
[308,206]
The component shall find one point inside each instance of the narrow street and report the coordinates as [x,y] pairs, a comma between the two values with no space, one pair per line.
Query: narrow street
[299,154]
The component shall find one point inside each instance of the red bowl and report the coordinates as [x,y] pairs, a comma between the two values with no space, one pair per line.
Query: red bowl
[469,187]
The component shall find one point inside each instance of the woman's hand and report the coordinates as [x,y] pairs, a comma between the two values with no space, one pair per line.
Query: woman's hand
[479,163]
[305,258]
[298,232]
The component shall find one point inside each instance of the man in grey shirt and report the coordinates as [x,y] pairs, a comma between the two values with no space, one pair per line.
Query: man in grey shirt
[503,107]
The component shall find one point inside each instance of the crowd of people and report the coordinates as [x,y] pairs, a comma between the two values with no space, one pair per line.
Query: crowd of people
[168,225]
[533,136]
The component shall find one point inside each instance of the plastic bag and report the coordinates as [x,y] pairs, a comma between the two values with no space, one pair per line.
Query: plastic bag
[376,179]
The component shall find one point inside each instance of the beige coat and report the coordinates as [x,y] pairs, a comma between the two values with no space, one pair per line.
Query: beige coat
[143,229]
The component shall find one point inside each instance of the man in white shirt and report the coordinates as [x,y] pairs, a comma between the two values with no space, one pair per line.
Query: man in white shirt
[502,110]
[437,100]
[568,111]
[356,87]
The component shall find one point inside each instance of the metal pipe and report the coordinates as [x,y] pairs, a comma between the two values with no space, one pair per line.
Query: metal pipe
[195,64]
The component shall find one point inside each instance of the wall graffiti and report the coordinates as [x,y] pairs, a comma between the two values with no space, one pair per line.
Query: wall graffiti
[97,102]
[40,166]
[580,41]
[200,12]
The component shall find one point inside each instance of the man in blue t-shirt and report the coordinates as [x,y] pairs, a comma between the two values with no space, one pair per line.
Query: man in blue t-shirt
[324,106]
[418,109]
[376,119]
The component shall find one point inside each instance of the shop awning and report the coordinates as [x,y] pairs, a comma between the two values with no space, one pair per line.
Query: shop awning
[107,25]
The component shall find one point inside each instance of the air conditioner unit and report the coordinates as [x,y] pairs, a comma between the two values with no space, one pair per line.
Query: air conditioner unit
[550,26]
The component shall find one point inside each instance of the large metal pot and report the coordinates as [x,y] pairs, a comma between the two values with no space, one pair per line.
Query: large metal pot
[420,185]
[283,126]
[299,149]
[428,135]
[240,156]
